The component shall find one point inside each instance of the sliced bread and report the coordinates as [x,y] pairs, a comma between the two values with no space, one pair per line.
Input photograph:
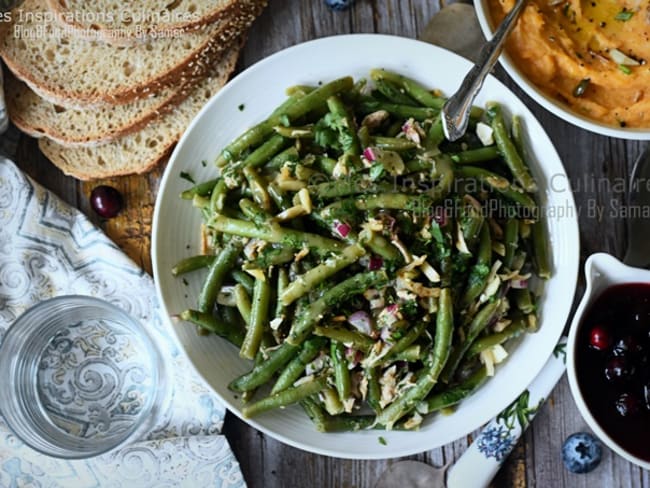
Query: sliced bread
[73,72]
[143,150]
[85,127]
[126,23]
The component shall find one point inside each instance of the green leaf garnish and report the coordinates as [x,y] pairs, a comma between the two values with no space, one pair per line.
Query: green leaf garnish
[624,15]
[186,176]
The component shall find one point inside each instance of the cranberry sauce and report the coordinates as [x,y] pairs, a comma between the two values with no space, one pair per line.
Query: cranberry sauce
[612,365]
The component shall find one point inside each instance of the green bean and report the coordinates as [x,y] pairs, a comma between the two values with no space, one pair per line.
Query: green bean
[193,263]
[480,271]
[217,273]
[279,198]
[524,301]
[453,396]
[346,336]
[347,127]
[283,284]
[272,256]
[471,222]
[341,374]
[263,372]
[289,155]
[339,293]
[310,349]
[429,376]
[500,185]
[511,241]
[229,331]
[516,328]
[402,344]
[286,397]
[374,390]
[481,320]
[380,246]
[411,354]
[218,196]
[420,114]
[541,256]
[202,190]
[254,212]
[435,135]
[304,283]
[479,155]
[394,93]
[243,301]
[518,135]
[419,203]
[412,88]
[276,234]
[355,185]
[508,150]
[258,319]
[325,164]
[301,90]
[396,144]
[293,110]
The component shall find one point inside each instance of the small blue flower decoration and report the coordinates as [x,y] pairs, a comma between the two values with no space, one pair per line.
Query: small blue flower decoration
[495,442]
[339,4]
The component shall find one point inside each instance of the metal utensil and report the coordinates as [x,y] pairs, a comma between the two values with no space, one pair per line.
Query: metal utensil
[455,113]
[638,228]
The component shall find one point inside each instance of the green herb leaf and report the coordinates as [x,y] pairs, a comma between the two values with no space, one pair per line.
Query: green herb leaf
[241,107]
[625,69]
[376,171]
[624,15]
[186,176]
[382,441]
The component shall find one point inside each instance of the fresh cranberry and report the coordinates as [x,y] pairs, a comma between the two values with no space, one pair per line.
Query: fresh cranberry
[627,405]
[618,368]
[599,338]
[106,201]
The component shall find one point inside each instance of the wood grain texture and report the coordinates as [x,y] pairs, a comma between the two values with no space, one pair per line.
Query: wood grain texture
[589,159]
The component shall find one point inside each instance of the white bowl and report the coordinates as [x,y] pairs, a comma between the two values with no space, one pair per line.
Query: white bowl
[554,106]
[260,89]
[601,272]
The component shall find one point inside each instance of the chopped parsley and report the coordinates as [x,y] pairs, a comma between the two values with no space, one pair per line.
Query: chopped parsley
[624,15]
[376,171]
[186,176]
[204,163]
[185,282]
[382,441]
[625,69]
[241,107]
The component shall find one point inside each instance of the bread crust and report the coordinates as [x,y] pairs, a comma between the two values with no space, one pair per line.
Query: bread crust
[190,67]
[113,158]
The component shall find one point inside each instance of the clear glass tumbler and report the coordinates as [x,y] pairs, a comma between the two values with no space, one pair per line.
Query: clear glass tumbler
[80,377]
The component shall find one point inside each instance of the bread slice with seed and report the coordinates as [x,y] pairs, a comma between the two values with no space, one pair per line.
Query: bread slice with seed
[73,72]
[143,150]
[85,127]
[126,23]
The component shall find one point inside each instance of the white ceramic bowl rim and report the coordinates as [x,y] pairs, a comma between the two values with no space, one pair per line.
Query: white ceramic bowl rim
[262,87]
[556,107]
[601,272]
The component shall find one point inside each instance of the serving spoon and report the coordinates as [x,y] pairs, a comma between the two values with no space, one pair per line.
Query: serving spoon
[455,112]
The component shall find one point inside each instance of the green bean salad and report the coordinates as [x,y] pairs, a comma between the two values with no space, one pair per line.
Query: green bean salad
[372,271]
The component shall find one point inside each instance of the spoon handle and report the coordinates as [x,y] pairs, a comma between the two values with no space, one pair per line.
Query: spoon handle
[481,461]
[455,113]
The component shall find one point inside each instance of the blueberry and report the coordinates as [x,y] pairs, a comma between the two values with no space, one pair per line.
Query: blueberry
[581,452]
[339,4]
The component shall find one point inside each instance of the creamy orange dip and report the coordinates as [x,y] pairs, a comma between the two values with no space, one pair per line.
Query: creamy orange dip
[593,55]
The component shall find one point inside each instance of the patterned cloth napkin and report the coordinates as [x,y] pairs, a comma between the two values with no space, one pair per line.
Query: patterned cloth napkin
[49,249]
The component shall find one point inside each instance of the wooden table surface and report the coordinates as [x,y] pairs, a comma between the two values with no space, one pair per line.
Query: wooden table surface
[587,157]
